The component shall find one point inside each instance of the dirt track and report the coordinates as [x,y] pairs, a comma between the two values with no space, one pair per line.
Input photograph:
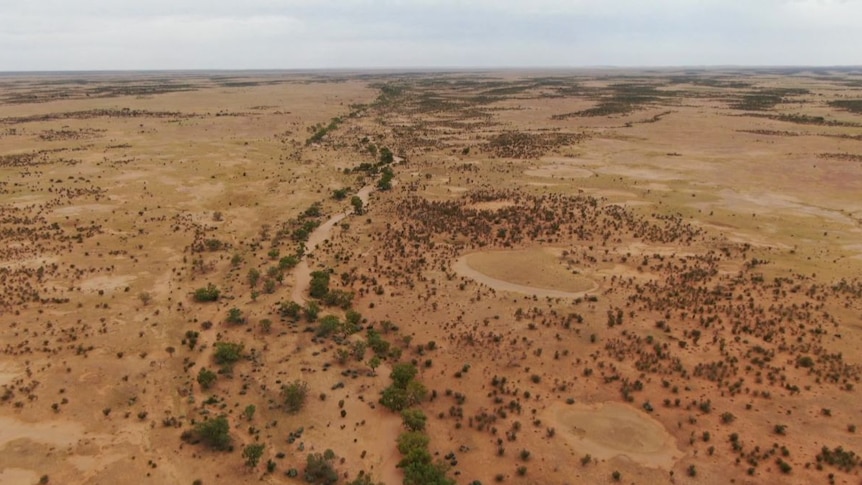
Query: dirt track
[302,271]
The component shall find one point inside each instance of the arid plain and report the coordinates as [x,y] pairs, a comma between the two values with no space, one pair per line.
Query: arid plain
[522,277]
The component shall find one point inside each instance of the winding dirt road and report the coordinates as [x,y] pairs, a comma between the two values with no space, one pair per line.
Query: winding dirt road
[302,271]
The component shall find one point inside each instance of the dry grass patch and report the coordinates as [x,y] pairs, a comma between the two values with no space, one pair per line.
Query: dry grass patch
[537,267]
[559,171]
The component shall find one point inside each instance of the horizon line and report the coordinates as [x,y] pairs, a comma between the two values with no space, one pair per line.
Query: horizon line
[440,68]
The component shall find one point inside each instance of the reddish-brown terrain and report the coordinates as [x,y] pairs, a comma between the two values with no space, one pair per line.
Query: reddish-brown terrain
[597,276]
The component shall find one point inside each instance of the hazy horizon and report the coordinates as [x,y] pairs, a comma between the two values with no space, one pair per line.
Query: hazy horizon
[115,35]
[445,69]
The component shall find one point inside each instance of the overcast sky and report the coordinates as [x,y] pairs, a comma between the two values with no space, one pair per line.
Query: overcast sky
[298,34]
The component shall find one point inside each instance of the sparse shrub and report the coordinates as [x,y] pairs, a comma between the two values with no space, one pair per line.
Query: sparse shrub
[319,469]
[227,353]
[235,316]
[252,454]
[206,378]
[294,395]
[215,433]
[208,293]
[414,419]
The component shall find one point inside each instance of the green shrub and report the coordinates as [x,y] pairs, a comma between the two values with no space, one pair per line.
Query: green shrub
[215,433]
[319,469]
[294,395]
[328,325]
[227,353]
[386,156]
[290,309]
[235,317]
[319,286]
[414,419]
[252,454]
[288,262]
[208,293]
[206,378]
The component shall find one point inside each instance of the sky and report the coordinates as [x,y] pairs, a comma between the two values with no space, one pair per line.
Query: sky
[58,35]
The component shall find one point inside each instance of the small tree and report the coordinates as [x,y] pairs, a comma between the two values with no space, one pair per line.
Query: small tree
[290,309]
[374,363]
[311,310]
[214,433]
[248,412]
[402,374]
[227,353]
[253,277]
[252,454]
[208,293]
[288,262]
[294,395]
[414,419]
[410,442]
[358,350]
[385,182]
[416,393]
[363,479]
[357,204]
[328,325]
[353,317]
[206,378]
[319,469]
[319,286]
[394,398]
[235,317]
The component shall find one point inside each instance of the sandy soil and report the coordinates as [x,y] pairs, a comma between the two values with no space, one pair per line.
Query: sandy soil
[559,171]
[611,430]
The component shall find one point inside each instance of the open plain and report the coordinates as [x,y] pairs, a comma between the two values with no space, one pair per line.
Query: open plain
[486,277]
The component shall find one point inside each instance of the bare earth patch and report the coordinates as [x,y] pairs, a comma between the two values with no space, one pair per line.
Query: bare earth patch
[611,429]
[76,210]
[492,205]
[60,433]
[532,271]
[107,283]
[559,171]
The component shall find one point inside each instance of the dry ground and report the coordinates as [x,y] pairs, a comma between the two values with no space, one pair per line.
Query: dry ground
[653,274]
